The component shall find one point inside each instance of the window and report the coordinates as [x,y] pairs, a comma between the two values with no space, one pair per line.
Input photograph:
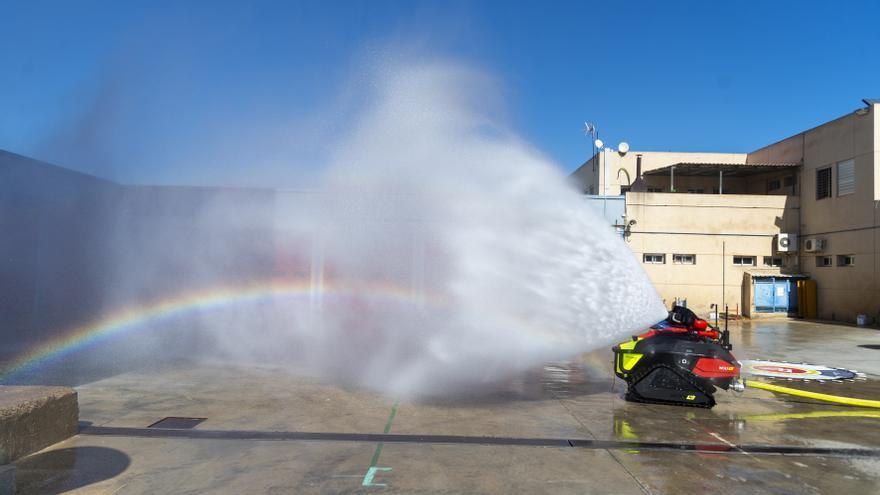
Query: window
[845,260]
[773,185]
[823,261]
[655,189]
[772,261]
[655,259]
[823,183]
[789,181]
[684,259]
[846,178]
[744,260]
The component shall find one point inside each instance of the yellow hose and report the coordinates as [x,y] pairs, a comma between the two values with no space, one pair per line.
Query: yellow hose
[811,415]
[849,401]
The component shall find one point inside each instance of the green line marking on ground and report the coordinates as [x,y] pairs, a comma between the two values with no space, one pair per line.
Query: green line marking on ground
[379,446]
[391,418]
[371,471]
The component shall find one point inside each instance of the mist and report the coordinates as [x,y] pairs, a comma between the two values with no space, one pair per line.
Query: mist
[495,264]
[431,250]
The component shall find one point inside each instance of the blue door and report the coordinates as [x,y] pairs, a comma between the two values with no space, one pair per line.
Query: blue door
[772,295]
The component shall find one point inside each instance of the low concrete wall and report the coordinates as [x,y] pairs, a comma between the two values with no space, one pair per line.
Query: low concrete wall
[32,418]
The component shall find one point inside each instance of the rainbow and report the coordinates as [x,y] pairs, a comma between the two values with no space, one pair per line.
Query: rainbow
[132,318]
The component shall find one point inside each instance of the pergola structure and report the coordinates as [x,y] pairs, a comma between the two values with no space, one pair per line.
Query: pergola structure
[691,169]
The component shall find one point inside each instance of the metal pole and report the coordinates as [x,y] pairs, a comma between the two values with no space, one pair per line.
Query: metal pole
[720,181]
[672,178]
[604,182]
[723,277]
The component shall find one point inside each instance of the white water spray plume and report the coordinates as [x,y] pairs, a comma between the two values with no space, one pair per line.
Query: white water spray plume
[502,263]
[437,252]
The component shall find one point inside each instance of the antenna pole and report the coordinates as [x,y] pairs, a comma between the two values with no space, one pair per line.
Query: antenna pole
[725,335]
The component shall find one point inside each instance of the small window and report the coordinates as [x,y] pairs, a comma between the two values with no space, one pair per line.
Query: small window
[655,189]
[772,261]
[846,178]
[846,260]
[744,260]
[684,259]
[823,183]
[773,185]
[823,261]
[655,259]
[789,181]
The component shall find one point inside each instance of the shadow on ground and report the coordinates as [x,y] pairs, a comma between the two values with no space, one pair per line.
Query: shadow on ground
[63,470]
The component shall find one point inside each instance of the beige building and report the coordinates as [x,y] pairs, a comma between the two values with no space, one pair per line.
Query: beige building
[740,229]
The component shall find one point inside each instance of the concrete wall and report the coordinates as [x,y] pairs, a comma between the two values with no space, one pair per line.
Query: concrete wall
[177,239]
[715,228]
[849,224]
[789,150]
[586,178]
[54,252]
[76,248]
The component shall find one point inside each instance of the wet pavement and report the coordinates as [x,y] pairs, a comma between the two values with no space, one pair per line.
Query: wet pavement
[561,429]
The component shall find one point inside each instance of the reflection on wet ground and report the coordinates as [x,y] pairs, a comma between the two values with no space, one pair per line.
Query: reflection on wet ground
[252,440]
[66,469]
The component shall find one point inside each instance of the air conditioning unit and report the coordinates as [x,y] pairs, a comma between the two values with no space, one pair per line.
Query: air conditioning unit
[814,245]
[786,243]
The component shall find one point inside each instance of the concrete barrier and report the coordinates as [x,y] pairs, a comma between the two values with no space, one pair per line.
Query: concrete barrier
[32,418]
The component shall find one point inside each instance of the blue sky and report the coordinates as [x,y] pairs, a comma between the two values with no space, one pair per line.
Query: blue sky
[118,88]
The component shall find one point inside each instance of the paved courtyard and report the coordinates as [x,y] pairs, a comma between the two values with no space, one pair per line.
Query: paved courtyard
[563,428]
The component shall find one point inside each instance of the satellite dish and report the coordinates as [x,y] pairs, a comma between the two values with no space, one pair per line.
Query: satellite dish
[623,147]
[598,143]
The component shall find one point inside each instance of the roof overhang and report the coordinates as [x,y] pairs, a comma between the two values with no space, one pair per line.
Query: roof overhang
[726,169]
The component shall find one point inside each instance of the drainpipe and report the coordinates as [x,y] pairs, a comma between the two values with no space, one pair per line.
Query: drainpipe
[723,275]
[720,181]
[800,201]
[672,178]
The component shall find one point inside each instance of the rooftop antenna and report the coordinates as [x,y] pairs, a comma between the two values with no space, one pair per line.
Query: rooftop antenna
[591,130]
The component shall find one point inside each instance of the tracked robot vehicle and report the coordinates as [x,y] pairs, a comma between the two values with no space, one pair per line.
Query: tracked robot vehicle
[680,361]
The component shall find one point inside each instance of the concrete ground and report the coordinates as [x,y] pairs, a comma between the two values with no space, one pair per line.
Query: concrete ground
[257,436]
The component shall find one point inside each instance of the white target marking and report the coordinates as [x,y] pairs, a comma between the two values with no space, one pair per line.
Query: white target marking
[795,371]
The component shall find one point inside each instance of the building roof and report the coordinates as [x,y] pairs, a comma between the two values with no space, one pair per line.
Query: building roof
[727,169]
